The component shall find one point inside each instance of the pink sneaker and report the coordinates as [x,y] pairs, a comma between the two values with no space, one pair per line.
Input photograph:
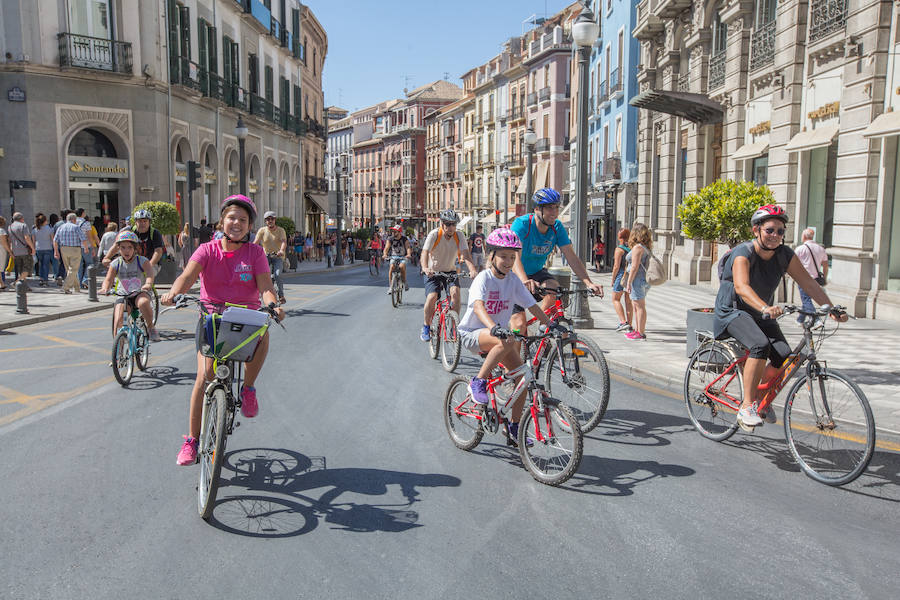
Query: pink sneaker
[249,405]
[188,454]
[636,335]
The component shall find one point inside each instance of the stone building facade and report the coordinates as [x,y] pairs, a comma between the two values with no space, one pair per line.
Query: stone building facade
[779,92]
[110,100]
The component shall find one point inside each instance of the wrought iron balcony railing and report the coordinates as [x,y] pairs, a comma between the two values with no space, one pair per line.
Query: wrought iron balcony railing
[543,145]
[615,84]
[717,70]
[826,17]
[532,99]
[762,46]
[94,53]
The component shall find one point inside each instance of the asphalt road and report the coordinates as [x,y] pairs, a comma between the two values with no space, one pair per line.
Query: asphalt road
[347,486]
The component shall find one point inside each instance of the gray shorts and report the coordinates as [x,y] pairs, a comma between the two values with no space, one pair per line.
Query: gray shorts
[469,340]
[478,259]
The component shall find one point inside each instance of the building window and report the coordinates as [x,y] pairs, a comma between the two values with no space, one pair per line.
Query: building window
[760,172]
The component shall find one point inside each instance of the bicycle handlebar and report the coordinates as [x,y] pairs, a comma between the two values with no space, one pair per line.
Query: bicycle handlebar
[183,300]
[824,310]
[561,291]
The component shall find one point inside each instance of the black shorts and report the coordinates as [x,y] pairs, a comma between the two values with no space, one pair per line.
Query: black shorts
[539,276]
[763,337]
[435,283]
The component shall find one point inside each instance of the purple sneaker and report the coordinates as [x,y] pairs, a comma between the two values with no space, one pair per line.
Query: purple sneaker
[188,453]
[478,390]
[249,405]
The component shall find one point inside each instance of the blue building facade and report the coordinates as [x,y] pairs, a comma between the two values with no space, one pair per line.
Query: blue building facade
[612,122]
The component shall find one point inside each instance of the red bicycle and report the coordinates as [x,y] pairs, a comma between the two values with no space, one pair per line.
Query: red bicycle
[828,423]
[444,336]
[550,440]
[577,373]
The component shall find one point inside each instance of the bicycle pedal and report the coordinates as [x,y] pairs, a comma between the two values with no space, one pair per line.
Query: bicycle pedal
[746,428]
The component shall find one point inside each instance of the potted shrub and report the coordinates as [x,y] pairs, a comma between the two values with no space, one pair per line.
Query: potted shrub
[287,224]
[718,214]
[165,218]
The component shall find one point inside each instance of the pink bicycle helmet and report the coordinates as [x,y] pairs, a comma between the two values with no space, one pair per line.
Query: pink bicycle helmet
[503,238]
[242,201]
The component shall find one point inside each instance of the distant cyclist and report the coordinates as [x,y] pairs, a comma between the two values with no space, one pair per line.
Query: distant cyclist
[439,254]
[131,274]
[751,274]
[540,232]
[273,239]
[375,247]
[398,250]
[150,240]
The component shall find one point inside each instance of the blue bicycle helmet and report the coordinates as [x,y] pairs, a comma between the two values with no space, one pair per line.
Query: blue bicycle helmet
[545,196]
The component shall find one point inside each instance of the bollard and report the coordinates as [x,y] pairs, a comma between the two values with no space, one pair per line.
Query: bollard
[328,256]
[92,282]
[21,298]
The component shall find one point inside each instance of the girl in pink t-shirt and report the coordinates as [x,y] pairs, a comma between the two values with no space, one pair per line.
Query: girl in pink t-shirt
[231,269]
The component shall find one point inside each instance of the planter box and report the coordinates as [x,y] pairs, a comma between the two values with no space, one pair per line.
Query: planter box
[167,272]
[697,319]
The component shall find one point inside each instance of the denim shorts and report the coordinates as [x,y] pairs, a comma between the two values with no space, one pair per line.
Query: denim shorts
[639,288]
[617,282]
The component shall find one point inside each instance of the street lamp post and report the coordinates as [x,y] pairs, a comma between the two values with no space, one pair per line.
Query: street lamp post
[241,132]
[530,141]
[339,170]
[584,33]
[372,207]
[504,175]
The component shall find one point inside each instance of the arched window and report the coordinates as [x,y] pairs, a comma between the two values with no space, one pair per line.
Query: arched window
[90,142]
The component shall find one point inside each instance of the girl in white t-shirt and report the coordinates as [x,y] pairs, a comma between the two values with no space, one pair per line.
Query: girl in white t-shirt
[493,294]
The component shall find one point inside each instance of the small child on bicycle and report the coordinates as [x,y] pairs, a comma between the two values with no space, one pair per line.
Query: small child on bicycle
[231,270]
[397,250]
[482,329]
[132,275]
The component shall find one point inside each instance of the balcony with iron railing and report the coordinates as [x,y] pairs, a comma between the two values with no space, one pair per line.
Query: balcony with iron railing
[532,99]
[257,15]
[603,100]
[544,94]
[261,107]
[648,25]
[448,176]
[515,114]
[684,82]
[449,140]
[99,54]
[513,160]
[762,46]
[543,145]
[826,17]
[488,118]
[615,84]
[670,8]
[479,122]
[717,70]
[316,184]
[184,73]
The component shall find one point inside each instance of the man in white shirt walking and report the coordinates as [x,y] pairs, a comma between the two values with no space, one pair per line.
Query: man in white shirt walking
[814,259]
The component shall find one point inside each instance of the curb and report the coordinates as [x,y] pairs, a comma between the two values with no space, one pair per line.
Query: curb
[60,315]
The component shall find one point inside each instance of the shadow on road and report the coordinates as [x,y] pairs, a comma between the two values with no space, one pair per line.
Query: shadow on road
[639,428]
[156,377]
[305,312]
[279,504]
[618,477]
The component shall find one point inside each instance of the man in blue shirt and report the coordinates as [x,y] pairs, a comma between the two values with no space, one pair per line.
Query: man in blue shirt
[540,232]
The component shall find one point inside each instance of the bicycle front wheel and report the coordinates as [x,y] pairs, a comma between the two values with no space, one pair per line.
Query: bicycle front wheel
[373,268]
[713,390]
[829,427]
[553,456]
[142,347]
[450,342]
[578,375]
[154,304]
[434,344]
[122,359]
[462,417]
[395,290]
[211,451]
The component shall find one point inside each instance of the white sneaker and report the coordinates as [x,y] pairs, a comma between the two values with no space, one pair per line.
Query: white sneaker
[748,416]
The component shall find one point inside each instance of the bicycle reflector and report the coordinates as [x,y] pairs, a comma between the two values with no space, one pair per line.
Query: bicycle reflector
[578,352]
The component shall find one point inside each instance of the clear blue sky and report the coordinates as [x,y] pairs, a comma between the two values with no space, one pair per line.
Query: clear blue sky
[373,47]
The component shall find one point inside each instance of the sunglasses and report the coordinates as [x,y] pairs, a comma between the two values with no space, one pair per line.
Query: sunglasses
[772,230]
[446,224]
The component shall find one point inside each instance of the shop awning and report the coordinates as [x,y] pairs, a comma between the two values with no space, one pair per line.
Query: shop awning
[693,107]
[751,151]
[465,221]
[810,140]
[523,183]
[319,200]
[884,125]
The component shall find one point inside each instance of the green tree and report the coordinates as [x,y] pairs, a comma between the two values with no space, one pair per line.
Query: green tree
[164,216]
[721,211]
[363,233]
[287,224]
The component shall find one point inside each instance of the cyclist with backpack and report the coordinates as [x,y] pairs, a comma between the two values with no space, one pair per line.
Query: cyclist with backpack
[150,240]
[130,273]
[439,253]
[397,249]
[744,310]
[540,233]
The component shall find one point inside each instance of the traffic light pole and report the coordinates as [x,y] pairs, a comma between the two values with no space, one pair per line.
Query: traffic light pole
[193,183]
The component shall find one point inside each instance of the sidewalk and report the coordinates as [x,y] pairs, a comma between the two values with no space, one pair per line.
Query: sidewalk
[49,303]
[862,349]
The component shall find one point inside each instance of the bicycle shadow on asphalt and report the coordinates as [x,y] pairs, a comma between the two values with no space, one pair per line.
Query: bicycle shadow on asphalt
[604,476]
[639,428]
[305,312]
[279,504]
[156,377]
[176,335]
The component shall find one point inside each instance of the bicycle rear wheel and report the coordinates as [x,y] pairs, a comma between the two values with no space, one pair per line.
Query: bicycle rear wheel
[154,304]
[434,345]
[142,347]
[555,457]
[373,268]
[122,359]
[578,375]
[211,451]
[461,415]
[829,427]
[450,342]
[713,366]
[395,290]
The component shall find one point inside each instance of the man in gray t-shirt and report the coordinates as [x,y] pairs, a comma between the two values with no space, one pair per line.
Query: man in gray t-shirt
[22,246]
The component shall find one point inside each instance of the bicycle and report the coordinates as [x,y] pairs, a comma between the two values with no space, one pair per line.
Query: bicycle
[230,348]
[373,262]
[131,344]
[550,441]
[396,283]
[824,408]
[154,306]
[444,336]
[577,371]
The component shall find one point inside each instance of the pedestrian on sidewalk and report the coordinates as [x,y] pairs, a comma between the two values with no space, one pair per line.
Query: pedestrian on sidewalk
[637,260]
[320,247]
[22,244]
[204,233]
[814,259]
[626,315]
[5,252]
[109,238]
[68,244]
[87,254]
[43,244]
[599,253]
[308,247]
[183,241]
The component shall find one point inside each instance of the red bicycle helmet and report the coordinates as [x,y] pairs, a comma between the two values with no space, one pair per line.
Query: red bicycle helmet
[766,212]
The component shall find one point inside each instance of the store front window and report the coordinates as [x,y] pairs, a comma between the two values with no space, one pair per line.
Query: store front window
[760,172]
[95,172]
[820,192]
